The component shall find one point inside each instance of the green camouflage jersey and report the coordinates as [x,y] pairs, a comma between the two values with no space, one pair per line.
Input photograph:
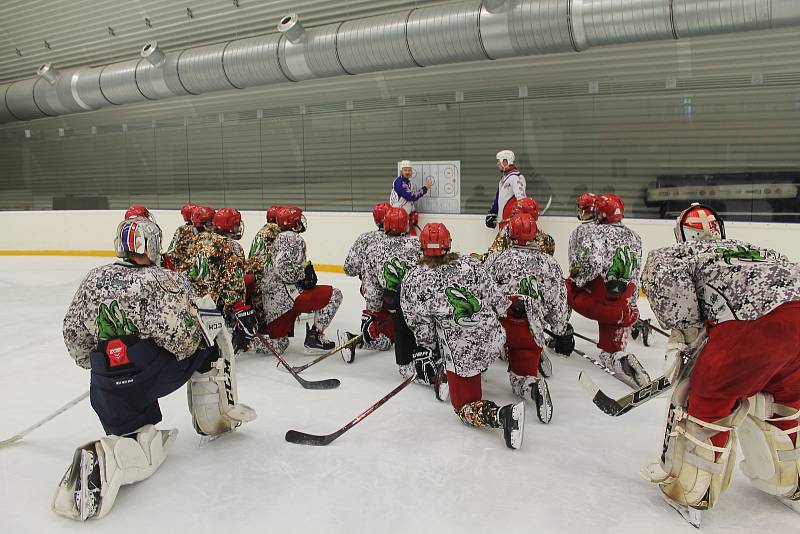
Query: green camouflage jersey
[216,268]
[179,247]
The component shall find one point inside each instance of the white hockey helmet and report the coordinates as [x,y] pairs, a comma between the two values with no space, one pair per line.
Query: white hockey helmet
[138,236]
[699,222]
[506,155]
[405,164]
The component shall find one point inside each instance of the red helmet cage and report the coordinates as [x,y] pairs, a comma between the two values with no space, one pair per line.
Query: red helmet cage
[228,220]
[702,221]
[272,214]
[202,215]
[395,221]
[186,212]
[609,209]
[379,212]
[289,217]
[526,205]
[137,211]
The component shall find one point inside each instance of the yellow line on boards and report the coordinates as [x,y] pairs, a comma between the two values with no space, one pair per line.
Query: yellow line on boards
[327,268]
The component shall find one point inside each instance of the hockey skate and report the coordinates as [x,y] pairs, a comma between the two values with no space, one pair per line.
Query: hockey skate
[511,419]
[88,485]
[691,514]
[315,342]
[545,366]
[627,368]
[540,393]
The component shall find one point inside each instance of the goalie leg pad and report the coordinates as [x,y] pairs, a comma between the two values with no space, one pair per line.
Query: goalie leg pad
[694,472]
[771,458]
[120,461]
[213,396]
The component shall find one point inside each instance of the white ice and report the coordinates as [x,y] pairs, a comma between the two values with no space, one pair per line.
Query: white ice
[411,466]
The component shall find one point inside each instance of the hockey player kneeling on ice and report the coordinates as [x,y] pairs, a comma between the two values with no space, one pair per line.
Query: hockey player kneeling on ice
[735,308]
[135,325]
[217,269]
[290,288]
[354,265]
[533,281]
[604,260]
[385,266]
[260,255]
[452,303]
[183,238]
[544,241]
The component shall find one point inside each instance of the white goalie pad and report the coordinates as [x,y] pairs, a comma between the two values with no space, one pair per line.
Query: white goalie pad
[693,471]
[120,461]
[771,459]
[213,396]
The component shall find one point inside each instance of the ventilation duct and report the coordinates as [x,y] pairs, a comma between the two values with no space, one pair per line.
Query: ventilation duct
[433,35]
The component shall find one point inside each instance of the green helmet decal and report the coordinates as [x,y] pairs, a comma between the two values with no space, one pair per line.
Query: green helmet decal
[464,304]
[623,264]
[747,254]
[529,287]
[199,270]
[112,321]
[393,272]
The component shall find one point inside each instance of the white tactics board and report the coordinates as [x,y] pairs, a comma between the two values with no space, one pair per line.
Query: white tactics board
[445,195]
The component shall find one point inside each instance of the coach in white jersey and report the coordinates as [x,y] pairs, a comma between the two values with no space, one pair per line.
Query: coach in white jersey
[510,189]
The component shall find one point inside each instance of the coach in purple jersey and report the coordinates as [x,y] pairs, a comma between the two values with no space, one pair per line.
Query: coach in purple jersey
[405,196]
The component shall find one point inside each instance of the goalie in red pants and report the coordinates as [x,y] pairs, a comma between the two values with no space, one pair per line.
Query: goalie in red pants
[604,263]
[725,300]
[533,281]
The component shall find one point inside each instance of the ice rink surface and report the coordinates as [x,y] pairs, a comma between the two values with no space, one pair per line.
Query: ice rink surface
[409,467]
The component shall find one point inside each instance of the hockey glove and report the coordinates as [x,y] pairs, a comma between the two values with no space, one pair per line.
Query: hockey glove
[426,363]
[167,263]
[369,326]
[309,280]
[244,329]
[491,220]
[565,343]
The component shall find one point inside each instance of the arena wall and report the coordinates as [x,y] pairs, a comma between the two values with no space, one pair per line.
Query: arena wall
[330,234]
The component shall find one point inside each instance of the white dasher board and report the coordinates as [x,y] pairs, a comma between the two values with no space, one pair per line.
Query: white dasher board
[445,195]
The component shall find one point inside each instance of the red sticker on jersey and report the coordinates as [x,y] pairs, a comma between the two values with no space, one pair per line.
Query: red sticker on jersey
[117,353]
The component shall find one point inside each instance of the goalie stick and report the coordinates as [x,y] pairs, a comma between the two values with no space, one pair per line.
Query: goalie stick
[67,406]
[637,397]
[303,438]
[329,383]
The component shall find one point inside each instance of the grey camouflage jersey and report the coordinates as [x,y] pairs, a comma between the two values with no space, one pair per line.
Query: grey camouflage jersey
[612,251]
[456,307]
[278,286]
[690,283]
[537,279]
[354,263]
[122,299]
[387,263]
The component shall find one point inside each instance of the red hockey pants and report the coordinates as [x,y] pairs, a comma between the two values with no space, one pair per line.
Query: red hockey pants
[614,315]
[308,300]
[463,390]
[523,352]
[742,358]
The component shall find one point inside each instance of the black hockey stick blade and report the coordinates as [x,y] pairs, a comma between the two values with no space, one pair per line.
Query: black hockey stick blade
[303,438]
[329,383]
[624,404]
[350,344]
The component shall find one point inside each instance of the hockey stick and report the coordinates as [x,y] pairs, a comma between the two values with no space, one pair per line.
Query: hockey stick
[329,383]
[331,352]
[637,397]
[67,406]
[302,438]
[547,207]
[586,356]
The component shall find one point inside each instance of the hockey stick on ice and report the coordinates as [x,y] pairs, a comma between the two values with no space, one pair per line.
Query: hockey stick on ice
[329,383]
[341,346]
[586,356]
[302,438]
[67,406]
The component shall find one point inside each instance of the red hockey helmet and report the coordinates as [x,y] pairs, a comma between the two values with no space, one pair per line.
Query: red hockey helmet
[699,222]
[586,204]
[137,211]
[522,229]
[291,218]
[435,240]
[609,209]
[186,212]
[229,221]
[395,221]
[202,216]
[379,212]
[272,214]
[526,205]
